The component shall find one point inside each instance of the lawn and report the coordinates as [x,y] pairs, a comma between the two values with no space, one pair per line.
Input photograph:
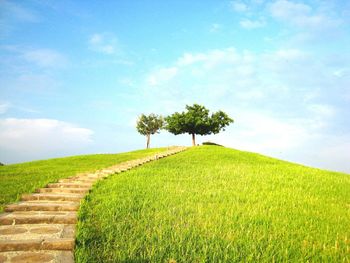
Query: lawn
[214,204]
[22,178]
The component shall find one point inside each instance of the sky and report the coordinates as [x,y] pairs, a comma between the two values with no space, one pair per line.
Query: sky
[75,75]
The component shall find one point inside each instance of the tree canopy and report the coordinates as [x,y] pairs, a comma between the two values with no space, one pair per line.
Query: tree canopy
[196,120]
[148,125]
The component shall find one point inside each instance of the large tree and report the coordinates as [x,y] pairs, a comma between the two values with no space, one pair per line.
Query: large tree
[148,125]
[196,120]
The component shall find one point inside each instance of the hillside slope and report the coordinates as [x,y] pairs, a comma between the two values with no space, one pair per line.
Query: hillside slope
[17,179]
[213,204]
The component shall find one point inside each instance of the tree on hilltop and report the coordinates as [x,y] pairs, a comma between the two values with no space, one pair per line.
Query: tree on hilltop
[148,125]
[196,120]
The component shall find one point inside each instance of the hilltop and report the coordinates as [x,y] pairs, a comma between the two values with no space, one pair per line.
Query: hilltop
[208,203]
[211,204]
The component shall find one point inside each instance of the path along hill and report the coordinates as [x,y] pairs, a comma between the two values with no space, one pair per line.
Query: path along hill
[207,204]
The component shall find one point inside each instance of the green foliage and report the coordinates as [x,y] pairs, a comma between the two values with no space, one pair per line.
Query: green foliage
[17,179]
[147,125]
[214,204]
[196,120]
[212,143]
[151,124]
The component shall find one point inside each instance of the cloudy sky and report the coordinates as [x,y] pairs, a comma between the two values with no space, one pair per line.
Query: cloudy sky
[74,75]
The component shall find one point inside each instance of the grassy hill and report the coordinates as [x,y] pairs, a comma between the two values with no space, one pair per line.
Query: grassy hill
[213,204]
[22,178]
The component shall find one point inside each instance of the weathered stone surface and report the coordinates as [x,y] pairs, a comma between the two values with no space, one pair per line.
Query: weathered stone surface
[52,197]
[55,256]
[36,231]
[43,206]
[45,230]
[33,257]
[37,244]
[69,185]
[37,218]
[63,190]
[65,257]
[58,244]
[12,230]
[55,213]
[78,179]
[68,231]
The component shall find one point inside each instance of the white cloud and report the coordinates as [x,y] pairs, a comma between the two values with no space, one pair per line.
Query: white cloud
[27,139]
[258,2]
[210,59]
[189,58]
[127,82]
[45,58]
[297,140]
[262,132]
[161,76]
[12,14]
[238,6]
[289,54]
[11,10]
[322,110]
[253,94]
[35,82]
[342,72]
[301,15]
[4,106]
[334,155]
[251,24]
[285,9]
[104,43]
[214,28]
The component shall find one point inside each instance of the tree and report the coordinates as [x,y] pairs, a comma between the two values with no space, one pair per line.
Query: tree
[147,125]
[196,120]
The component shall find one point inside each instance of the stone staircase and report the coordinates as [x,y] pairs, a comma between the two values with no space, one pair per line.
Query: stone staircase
[41,227]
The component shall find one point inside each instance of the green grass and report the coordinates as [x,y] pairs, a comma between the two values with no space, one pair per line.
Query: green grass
[213,204]
[22,178]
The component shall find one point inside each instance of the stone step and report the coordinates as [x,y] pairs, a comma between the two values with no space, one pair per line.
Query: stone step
[37,244]
[77,180]
[52,197]
[93,177]
[39,256]
[108,171]
[69,185]
[36,231]
[43,206]
[88,179]
[62,190]
[38,217]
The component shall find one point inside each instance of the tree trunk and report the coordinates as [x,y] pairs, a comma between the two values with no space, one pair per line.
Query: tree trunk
[193,139]
[148,140]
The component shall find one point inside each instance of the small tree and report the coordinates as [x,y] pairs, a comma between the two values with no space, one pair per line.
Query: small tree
[196,120]
[147,125]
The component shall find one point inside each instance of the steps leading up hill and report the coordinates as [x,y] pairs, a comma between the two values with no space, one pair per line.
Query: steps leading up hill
[41,227]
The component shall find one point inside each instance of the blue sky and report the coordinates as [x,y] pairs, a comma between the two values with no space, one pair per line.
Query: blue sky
[75,75]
